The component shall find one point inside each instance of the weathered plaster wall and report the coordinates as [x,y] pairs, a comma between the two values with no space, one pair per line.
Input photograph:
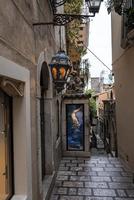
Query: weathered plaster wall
[123,67]
[117,51]
[124,90]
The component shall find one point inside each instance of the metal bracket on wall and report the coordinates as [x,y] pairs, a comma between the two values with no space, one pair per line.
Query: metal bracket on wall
[64,19]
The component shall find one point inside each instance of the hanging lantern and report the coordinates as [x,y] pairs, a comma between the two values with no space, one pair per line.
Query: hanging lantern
[94,5]
[60,68]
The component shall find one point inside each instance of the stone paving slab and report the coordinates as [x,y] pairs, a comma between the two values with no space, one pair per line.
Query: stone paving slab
[95,178]
[99,198]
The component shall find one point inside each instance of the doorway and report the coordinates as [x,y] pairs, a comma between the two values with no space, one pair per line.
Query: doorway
[44,78]
[42,127]
[6,147]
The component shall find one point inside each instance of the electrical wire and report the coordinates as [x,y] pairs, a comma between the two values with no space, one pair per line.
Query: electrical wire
[95,56]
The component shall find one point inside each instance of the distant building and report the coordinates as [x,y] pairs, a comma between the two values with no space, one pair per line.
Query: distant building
[97,84]
[106,94]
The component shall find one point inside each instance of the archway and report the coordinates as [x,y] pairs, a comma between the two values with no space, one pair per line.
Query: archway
[44,120]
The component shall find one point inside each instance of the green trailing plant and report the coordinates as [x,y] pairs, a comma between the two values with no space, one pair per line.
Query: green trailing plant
[81,50]
[73,7]
[72,31]
[121,9]
[73,28]
[92,102]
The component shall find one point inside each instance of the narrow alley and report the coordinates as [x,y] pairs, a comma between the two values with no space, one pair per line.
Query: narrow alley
[67,100]
[96,178]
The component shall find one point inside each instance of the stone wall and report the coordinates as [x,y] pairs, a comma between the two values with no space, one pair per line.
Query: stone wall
[22,43]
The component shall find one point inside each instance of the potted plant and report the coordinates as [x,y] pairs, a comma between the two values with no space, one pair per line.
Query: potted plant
[130,18]
[114,4]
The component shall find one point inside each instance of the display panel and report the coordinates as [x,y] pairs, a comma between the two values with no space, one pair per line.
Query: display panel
[75,127]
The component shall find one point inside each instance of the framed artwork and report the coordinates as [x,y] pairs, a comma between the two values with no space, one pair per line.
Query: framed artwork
[75,127]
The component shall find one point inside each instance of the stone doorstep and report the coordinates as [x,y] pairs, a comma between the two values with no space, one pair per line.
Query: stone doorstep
[48,185]
[18,197]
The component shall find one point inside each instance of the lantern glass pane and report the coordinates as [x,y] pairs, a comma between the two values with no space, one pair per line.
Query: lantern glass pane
[62,72]
[54,73]
[95,3]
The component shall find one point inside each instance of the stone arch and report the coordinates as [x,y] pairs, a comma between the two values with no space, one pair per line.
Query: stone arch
[42,65]
[44,77]
[44,92]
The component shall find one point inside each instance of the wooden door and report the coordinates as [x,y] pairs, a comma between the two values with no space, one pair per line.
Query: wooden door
[2,149]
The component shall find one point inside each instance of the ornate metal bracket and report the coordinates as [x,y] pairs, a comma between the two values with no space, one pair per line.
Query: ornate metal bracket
[64,19]
[12,88]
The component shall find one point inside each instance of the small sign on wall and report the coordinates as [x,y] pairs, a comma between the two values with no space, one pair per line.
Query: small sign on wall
[75,127]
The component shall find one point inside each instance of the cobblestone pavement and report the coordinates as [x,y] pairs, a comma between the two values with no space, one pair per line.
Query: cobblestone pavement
[95,178]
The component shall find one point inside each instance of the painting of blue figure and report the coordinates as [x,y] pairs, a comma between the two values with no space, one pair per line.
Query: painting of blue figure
[75,127]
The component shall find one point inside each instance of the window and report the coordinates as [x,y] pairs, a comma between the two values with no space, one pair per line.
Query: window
[81,28]
[80,42]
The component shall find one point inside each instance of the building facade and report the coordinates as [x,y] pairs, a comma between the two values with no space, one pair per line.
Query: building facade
[123,62]
[30,142]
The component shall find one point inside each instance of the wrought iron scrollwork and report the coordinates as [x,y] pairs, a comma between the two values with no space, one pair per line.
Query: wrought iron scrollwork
[63,19]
